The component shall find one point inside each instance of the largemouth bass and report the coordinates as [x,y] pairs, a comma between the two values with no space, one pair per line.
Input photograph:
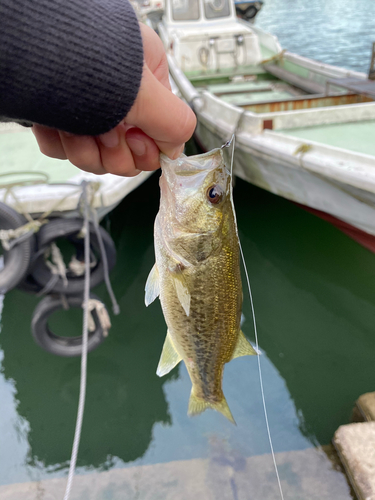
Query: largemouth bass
[197,275]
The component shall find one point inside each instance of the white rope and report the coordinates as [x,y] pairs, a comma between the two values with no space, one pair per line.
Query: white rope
[115,306]
[82,390]
[256,332]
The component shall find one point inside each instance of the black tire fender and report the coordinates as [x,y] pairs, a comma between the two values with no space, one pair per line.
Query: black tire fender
[69,228]
[62,346]
[17,259]
[250,12]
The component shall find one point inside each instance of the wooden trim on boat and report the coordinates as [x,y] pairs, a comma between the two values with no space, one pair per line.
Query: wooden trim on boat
[304,102]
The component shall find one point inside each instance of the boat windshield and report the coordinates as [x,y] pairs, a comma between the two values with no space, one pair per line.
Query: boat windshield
[186,10]
[216,8]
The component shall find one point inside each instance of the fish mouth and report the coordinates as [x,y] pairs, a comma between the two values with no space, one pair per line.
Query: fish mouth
[213,152]
[184,166]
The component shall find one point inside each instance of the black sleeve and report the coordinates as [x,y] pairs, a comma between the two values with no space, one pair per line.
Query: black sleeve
[75,65]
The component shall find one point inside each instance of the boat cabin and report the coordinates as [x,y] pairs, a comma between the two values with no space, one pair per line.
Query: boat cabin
[206,37]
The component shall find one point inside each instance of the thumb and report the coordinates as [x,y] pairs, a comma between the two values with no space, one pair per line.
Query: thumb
[161,115]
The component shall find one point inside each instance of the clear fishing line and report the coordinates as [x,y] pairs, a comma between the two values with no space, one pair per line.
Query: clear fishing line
[233,140]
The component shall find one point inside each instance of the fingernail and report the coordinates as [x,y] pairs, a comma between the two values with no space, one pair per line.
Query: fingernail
[177,152]
[110,139]
[137,147]
[67,134]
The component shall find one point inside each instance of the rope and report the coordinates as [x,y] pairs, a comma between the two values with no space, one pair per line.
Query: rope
[301,151]
[82,390]
[32,226]
[276,58]
[44,180]
[88,306]
[49,286]
[115,306]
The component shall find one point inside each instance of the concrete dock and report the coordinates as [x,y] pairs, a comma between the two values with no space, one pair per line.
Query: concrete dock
[355,445]
[305,474]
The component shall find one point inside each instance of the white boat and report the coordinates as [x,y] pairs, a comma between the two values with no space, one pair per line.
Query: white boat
[32,183]
[304,130]
[40,203]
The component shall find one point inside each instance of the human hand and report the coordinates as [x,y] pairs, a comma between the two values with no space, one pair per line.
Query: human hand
[158,120]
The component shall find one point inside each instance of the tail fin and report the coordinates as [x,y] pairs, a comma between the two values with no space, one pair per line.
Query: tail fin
[198,405]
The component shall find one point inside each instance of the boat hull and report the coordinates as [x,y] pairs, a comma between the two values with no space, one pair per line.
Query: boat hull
[258,163]
[34,184]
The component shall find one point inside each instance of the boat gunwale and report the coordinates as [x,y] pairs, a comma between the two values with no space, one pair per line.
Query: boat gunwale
[342,165]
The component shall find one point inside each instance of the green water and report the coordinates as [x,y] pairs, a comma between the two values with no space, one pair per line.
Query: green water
[314,294]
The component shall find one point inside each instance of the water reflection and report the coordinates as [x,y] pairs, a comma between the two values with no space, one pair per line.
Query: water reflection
[315,300]
[124,397]
[313,291]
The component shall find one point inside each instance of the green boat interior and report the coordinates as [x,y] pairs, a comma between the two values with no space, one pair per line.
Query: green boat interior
[264,93]
[354,136]
[20,155]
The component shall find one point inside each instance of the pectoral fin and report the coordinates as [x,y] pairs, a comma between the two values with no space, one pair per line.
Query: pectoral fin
[183,293]
[169,357]
[198,405]
[243,347]
[152,287]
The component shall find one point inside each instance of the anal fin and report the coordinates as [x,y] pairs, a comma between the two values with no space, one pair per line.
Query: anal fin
[169,357]
[199,405]
[243,347]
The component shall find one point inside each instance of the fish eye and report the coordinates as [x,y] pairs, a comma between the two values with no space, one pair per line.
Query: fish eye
[215,194]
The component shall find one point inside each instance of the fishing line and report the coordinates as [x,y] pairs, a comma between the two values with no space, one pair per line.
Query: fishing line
[233,139]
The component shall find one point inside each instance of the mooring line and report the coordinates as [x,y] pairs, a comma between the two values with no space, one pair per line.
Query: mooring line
[233,140]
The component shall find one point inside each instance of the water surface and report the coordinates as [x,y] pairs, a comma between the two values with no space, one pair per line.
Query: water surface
[314,295]
[338,32]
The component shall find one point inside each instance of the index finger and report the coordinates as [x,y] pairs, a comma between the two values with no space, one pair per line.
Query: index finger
[161,115]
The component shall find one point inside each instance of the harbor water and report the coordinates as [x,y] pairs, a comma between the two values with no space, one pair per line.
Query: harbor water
[338,32]
[314,297]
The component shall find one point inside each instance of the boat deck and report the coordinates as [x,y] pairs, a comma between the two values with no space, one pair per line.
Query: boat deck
[264,94]
[41,184]
[355,136]
[20,153]
[250,92]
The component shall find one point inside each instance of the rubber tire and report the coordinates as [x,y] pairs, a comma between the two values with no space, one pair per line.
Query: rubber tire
[68,228]
[17,260]
[250,12]
[68,347]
